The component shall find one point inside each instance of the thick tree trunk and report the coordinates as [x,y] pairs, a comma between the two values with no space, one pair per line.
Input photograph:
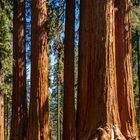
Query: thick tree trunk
[124,70]
[19,103]
[39,108]
[69,128]
[98,115]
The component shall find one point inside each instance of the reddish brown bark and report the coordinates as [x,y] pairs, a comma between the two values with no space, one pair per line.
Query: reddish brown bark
[69,127]
[124,70]
[98,114]
[1,106]
[19,105]
[6,115]
[1,116]
[39,109]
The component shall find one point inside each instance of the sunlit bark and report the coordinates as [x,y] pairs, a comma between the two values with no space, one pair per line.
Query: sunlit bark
[98,115]
[39,110]
[124,70]
[1,116]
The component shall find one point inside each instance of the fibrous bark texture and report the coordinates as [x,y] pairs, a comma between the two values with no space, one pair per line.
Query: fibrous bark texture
[124,70]
[69,127]
[39,110]
[97,97]
[19,105]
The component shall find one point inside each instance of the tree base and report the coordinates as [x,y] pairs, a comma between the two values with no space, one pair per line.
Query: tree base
[110,133]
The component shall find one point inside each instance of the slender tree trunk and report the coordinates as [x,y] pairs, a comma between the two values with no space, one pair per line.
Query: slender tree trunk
[1,106]
[7,118]
[124,70]
[19,103]
[39,108]
[58,100]
[58,114]
[1,116]
[97,115]
[61,128]
[69,128]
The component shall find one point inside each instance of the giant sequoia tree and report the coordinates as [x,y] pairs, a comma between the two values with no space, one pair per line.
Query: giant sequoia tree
[105,102]
[69,130]
[98,114]
[19,107]
[124,70]
[39,110]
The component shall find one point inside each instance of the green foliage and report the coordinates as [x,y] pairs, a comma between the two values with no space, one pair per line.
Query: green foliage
[5,45]
[136,17]
[55,27]
[6,58]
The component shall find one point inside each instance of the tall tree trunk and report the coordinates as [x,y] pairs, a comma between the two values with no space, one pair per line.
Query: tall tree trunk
[69,128]
[58,113]
[7,118]
[97,115]
[1,105]
[39,108]
[58,99]
[19,103]
[124,70]
[1,116]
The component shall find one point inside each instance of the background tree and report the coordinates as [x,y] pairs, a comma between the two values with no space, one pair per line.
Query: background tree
[135,20]
[56,67]
[5,64]
[1,108]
